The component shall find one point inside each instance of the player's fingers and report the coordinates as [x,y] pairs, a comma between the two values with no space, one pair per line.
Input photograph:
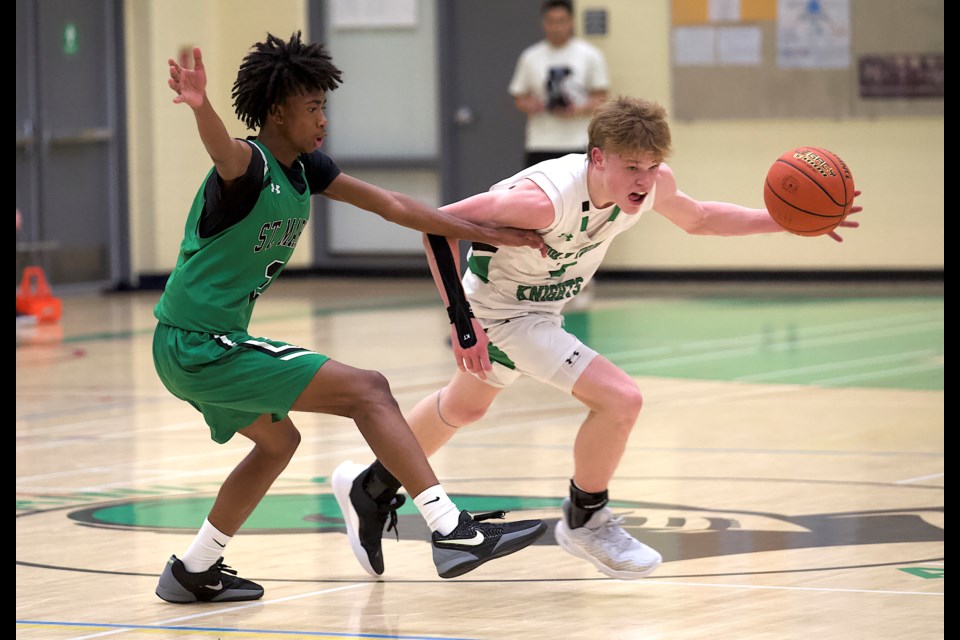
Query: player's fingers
[458,357]
[471,363]
[477,369]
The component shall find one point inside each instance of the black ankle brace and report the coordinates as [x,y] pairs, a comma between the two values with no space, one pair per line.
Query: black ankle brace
[380,483]
[584,504]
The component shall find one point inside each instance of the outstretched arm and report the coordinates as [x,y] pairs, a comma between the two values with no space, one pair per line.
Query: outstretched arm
[717,218]
[230,156]
[408,212]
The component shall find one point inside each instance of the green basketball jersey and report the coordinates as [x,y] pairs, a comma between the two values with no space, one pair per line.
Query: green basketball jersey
[217,280]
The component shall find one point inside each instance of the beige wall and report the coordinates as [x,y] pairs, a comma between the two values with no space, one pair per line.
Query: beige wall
[167,160]
[897,162]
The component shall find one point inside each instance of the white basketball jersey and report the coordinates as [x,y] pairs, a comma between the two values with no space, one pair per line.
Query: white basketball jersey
[502,282]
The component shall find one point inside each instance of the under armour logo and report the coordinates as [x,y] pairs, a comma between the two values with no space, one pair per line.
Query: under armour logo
[275,188]
[573,358]
[566,236]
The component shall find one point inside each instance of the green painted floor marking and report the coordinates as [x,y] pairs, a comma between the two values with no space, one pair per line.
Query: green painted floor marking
[290,512]
[863,342]
[924,572]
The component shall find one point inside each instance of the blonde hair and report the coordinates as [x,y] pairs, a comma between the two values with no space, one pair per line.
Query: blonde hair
[630,124]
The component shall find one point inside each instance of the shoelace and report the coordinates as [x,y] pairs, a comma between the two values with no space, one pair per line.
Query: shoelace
[391,507]
[613,532]
[222,568]
[218,569]
[489,515]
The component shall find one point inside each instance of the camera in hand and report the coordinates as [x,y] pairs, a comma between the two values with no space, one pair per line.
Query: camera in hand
[556,97]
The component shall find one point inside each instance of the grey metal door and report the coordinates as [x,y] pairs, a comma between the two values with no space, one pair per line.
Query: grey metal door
[69,139]
[482,130]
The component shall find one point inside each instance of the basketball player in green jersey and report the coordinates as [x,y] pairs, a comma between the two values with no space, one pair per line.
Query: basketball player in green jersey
[244,224]
[578,203]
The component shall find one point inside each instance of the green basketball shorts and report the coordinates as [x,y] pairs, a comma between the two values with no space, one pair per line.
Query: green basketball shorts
[232,379]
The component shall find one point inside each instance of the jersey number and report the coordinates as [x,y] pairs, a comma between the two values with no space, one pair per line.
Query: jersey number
[559,272]
[272,270]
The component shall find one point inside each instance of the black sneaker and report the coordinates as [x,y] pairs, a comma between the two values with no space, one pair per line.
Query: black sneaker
[219,583]
[472,543]
[363,516]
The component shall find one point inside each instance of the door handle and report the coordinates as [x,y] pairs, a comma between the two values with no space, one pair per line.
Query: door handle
[464,116]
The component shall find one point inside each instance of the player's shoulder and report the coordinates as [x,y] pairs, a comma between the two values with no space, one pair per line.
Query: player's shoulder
[564,175]
[573,164]
[666,180]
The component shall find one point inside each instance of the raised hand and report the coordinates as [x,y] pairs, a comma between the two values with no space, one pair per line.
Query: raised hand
[190,85]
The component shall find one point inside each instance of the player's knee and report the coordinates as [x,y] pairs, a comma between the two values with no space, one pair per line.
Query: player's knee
[283,441]
[291,441]
[373,391]
[462,415]
[628,405]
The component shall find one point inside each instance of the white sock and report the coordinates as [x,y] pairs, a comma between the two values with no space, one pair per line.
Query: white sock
[206,549]
[438,510]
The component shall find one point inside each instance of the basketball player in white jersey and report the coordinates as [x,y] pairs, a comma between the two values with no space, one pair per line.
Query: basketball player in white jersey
[578,203]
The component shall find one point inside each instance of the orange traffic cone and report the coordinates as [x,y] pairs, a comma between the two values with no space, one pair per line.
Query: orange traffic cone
[35,298]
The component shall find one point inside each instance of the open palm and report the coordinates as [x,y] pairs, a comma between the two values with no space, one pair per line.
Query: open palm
[189,84]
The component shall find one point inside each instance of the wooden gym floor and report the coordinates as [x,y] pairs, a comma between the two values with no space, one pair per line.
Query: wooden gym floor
[788,464]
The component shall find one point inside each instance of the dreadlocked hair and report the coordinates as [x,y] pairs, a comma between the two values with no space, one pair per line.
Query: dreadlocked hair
[276,70]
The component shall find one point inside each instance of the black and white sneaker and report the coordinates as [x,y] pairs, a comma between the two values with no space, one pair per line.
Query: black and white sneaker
[363,516]
[219,583]
[474,542]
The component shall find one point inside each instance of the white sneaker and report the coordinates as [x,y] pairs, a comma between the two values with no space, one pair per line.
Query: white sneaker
[604,543]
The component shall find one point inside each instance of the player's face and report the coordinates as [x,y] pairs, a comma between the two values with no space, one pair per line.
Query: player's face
[557,26]
[304,120]
[629,177]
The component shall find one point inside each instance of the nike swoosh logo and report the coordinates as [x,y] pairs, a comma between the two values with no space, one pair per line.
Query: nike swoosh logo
[221,545]
[432,501]
[476,540]
[214,587]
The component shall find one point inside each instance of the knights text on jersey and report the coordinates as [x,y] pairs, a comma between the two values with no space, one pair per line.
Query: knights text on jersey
[502,282]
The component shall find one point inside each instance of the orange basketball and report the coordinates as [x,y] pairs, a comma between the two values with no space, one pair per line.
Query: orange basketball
[809,191]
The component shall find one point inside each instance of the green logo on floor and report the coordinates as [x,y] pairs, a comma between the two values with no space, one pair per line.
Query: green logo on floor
[925,572]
